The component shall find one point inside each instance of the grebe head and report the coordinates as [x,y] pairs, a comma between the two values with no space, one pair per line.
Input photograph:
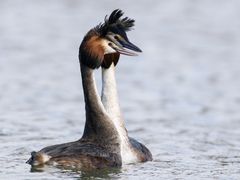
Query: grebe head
[103,44]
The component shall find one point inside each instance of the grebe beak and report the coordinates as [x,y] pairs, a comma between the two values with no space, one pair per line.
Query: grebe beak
[128,48]
[124,46]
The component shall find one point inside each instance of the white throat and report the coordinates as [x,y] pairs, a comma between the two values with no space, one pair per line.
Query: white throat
[111,104]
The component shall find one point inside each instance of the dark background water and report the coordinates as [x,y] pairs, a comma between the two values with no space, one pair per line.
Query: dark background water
[180,97]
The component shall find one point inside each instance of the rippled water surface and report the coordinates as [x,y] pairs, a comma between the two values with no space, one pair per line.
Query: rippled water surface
[180,97]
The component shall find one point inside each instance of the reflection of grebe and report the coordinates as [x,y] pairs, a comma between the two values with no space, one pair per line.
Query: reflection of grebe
[105,141]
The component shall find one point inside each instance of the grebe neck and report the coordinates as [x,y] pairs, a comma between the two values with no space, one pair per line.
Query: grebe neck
[98,127]
[111,104]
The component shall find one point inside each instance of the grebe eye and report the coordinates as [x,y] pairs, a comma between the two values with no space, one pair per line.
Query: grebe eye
[110,44]
[116,37]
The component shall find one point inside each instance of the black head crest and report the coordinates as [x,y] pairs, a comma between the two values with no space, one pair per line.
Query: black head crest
[115,22]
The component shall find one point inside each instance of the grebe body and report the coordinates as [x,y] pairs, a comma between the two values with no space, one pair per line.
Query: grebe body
[105,141]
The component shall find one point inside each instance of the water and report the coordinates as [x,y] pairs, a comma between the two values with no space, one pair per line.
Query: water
[180,97]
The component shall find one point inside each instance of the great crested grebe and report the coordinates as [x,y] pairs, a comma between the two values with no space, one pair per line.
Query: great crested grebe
[105,141]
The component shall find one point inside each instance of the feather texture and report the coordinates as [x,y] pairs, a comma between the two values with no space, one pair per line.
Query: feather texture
[115,22]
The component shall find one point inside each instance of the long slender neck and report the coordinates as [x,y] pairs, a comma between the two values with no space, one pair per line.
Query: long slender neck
[110,99]
[98,126]
[110,102]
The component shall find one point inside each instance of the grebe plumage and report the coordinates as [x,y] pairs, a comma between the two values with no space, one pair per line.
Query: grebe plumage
[105,141]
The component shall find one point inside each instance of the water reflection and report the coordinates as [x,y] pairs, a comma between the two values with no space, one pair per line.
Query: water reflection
[107,173]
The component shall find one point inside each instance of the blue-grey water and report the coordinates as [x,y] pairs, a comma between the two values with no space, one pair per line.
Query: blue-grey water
[180,97]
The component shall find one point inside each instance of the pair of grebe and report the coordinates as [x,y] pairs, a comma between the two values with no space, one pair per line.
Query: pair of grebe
[105,141]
